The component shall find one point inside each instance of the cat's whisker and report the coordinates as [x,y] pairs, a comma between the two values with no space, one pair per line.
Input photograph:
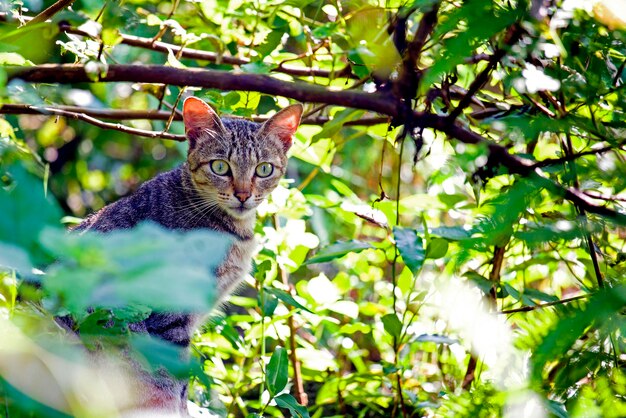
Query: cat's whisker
[198,210]
[207,210]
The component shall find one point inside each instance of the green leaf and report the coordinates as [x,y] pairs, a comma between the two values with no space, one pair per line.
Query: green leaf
[156,353]
[486,285]
[466,28]
[287,298]
[450,233]
[289,402]
[257,67]
[603,305]
[392,325]
[411,248]
[356,327]
[437,248]
[15,258]
[148,265]
[277,372]
[26,211]
[437,339]
[13,58]
[333,126]
[338,250]
[267,303]
[271,42]
[221,325]
[112,37]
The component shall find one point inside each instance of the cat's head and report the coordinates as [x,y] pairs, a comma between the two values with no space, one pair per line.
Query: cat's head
[235,163]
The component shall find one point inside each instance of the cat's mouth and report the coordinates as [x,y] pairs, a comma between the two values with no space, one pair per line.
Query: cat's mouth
[240,211]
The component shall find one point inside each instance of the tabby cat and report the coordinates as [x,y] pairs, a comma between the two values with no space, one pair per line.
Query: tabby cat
[232,165]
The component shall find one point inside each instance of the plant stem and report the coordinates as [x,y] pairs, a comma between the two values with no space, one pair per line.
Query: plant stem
[300,394]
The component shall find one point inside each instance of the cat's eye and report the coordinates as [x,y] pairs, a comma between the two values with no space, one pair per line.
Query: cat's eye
[264,170]
[220,167]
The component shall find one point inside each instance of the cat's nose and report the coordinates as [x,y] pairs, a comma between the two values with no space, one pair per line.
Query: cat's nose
[242,196]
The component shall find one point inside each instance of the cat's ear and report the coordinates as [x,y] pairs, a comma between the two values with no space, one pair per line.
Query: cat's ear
[284,124]
[199,118]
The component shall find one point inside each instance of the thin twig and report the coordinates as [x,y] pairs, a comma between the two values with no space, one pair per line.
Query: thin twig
[173,112]
[494,277]
[543,305]
[300,394]
[574,156]
[396,340]
[511,38]
[49,12]
[201,55]
[569,150]
[601,196]
[107,125]
[164,27]
[127,114]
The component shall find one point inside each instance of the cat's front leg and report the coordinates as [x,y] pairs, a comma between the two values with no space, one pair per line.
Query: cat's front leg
[238,263]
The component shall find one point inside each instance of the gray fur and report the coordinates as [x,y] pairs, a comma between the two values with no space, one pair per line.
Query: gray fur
[193,197]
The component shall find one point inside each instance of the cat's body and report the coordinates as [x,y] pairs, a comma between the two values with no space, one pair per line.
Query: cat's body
[232,165]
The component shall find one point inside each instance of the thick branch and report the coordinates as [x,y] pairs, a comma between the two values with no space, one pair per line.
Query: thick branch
[376,102]
[407,85]
[222,80]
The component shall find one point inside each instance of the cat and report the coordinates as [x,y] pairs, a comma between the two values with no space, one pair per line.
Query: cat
[231,167]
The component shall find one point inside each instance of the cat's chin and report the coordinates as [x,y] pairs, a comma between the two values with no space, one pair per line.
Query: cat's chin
[241,212]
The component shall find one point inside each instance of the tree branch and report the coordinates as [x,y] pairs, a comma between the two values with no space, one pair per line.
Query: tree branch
[572,156]
[379,102]
[197,54]
[50,11]
[196,77]
[511,38]
[543,305]
[105,125]
[122,114]
[407,84]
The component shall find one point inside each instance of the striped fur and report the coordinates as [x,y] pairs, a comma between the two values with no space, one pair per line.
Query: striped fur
[192,196]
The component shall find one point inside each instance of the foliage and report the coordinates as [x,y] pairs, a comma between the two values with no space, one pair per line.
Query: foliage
[463,255]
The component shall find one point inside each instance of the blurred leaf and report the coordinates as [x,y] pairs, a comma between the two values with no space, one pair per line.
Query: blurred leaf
[594,313]
[333,126]
[392,325]
[437,248]
[287,298]
[450,233]
[257,67]
[156,353]
[277,371]
[289,402]
[149,266]
[268,303]
[437,339]
[13,58]
[26,211]
[338,250]
[411,248]
[13,257]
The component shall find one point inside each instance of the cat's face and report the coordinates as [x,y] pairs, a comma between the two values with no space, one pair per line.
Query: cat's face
[235,164]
